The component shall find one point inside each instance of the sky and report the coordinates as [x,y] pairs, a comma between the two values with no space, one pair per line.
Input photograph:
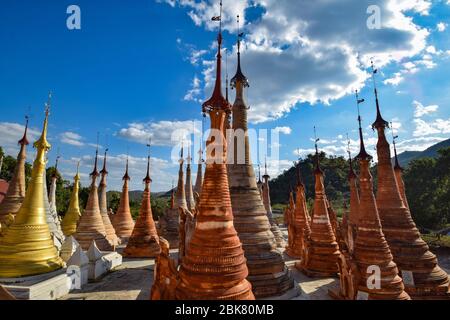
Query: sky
[142,69]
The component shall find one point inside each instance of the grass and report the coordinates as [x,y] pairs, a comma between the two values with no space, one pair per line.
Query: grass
[433,240]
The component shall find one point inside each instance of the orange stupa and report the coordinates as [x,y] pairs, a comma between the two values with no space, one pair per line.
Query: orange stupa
[423,277]
[371,248]
[289,219]
[144,241]
[103,202]
[398,170]
[169,224]
[16,189]
[214,267]
[123,221]
[322,250]
[353,215]
[90,226]
[300,227]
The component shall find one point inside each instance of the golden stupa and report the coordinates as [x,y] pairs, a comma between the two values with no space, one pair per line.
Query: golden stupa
[73,214]
[27,248]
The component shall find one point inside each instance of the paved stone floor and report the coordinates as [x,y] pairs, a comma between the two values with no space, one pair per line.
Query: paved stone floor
[133,281]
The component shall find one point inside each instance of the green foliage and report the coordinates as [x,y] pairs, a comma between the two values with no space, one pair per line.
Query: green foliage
[9,164]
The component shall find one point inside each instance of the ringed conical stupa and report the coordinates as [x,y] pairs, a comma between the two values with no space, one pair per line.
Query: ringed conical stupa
[103,203]
[73,214]
[190,201]
[300,226]
[322,250]
[268,273]
[353,216]
[123,221]
[199,180]
[281,243]
[90,226]
[26,247]
[16,189]
[214,267]
[289,219]
[417,264]
[52,211]
[144,241]
[169,224]
[371,248]
[398,171]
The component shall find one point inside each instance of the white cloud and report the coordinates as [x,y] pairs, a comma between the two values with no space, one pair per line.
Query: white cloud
[72,138]
[283,130]
[311,51]
[441,27]
[195,91]
[11,133]
[424,128]
[395,81]
[421,110]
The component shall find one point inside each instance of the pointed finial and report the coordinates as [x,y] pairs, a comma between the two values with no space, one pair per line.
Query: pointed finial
[379,122]
[126,176]
[363,155]
[316,140]
[147,178]
[55,173]
[266,175]
[394,142]
[77,174]
[299,174]
[104,171]
[182,153]
[42,143]
[351,173]
[94,173]
[259,174]
[48,104]
[24,140]
[239,77]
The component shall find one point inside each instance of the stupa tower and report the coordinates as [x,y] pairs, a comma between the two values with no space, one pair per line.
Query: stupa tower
[52,193]
[371,248]
[169,223]
[214,267]
[190,201]
[300,226]
[103,203]
[27,248]
[259,183]
[16,189]
[144,241]
[267,204]
[267,271]
[73,214]
[398,171]
[411,254]
[90,226]
[123,221]
[353,216]
[322,247]
[199,179]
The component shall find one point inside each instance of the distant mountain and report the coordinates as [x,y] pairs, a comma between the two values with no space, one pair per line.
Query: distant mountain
[406,157]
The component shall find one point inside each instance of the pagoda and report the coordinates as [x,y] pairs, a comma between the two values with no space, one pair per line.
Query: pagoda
[268,273]
[26,247]
[103,203]
[199,179]
[90,226]
[169,223]
[144,241]
[353,217]
[16,189]
[123,221]
[214,267]
[53,219]
[289,218]
[190,201]
[398,171]
[299,220]
[423,278]
[371,248]
[322,251]
[73,214]
[281,243]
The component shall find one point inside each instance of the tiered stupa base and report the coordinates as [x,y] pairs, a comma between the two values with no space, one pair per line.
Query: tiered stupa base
[281,243]
[322,260]
[168,228]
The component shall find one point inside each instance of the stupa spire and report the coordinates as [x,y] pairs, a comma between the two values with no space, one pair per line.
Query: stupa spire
[73,214]
[54,179]
[398,170]
[352,222]
[379,121]
[214,266]
[16,188]
[188,189]
[411,253]
[144,241]
[181,191]
[317,168]
[27,247]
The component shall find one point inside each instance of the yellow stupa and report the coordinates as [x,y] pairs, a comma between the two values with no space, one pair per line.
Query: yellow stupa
[27,248]
[70,221]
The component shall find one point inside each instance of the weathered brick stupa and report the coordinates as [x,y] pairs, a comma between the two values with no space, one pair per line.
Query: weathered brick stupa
[90,226]
[123,221]
[371,248]
[190,201]
[268,273]
[111,236]
[422,276]
[398,171]
[144,241]
[199,180]
[16,189]
[169,223]
[289,217]
[299,220]
[322,250]
[281,243]
[353,216]
[52,214]
[214,267]
[27,248]
[73,214]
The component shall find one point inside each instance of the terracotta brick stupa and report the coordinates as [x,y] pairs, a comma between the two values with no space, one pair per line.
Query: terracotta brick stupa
[199,180]
[214,267]
[268,273]
[398,171]
[90,227]
[16,189]
[265,193]
[144,241]
[353,215]
[322,250]
[289,219]
[123,221]
[371,248]
[103,203]
[300,226]
[423,278]
[169,224]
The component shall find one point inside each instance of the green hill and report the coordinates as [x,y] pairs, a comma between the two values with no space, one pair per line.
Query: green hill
[432,152]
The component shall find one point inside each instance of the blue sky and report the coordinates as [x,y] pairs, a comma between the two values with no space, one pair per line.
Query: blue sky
[141,69]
